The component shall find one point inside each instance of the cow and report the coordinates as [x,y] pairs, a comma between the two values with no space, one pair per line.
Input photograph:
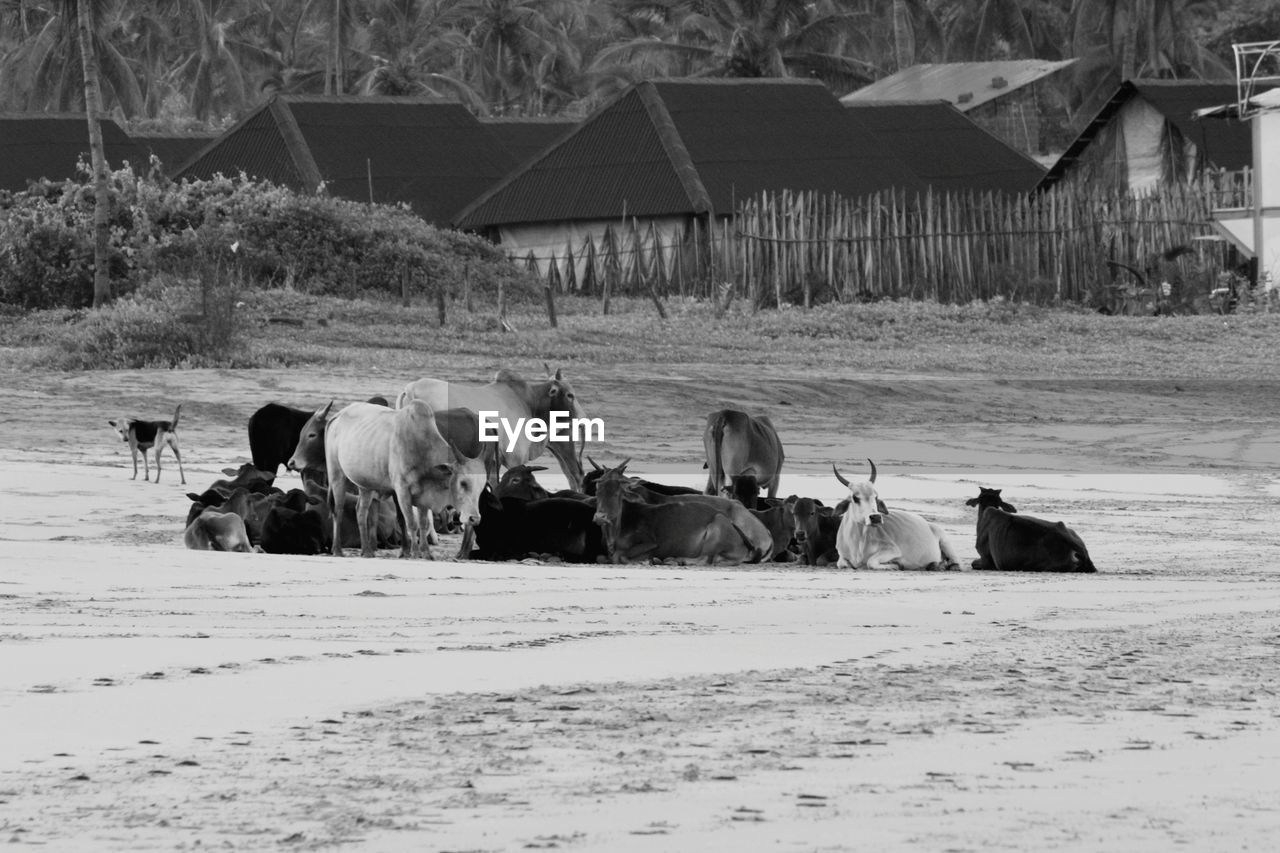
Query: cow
[590,479]
[816,527]
[1009,542]
[512,398]
[737,445]
[247,476]
[872,537]
[636,529]
[252,507]
[293,525]
[780,523]
[211,530]
[519,482]
[274,431]
[385,452]
[273,434]
[511,528]
[745,489]
[386,521]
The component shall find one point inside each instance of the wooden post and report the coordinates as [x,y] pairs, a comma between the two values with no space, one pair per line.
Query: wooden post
[466,287]
[653,294]
[440,308]
[404,284]
[551,304]
[502,307]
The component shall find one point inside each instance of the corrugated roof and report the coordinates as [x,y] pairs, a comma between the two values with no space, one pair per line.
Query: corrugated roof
[946,149]
[964,84]
[526,137]
[433,155]
[47,145]
[673,147]
[173,149]
[1226,143]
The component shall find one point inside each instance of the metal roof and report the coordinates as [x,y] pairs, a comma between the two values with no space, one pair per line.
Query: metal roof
[173,149]
[946,149]
[676,147]
[431,154]
[47,145]
[964,84]
[524,137]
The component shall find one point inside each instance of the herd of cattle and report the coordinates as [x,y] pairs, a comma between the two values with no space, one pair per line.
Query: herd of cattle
[377,475]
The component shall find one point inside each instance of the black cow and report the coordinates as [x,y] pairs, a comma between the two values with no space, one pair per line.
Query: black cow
[511,529]
[780,522]
[815,530]
[518,482]
[273,434]
[293,526]
[590,479]
[1019,543]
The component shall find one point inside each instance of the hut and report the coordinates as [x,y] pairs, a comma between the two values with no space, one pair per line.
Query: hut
[48,145]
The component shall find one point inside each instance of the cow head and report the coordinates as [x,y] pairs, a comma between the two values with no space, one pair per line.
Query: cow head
[519,482]
[804,513]
[744,488]
[609,490]
[309,454]
[989,497]
[864,500]
[466,478]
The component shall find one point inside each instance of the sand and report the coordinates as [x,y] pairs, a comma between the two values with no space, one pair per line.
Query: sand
[154,698]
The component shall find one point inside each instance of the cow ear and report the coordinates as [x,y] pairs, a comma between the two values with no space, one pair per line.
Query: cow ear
[881,508]
[443,470]
[971,502]
[231,472]
[1008,507]
[559,375]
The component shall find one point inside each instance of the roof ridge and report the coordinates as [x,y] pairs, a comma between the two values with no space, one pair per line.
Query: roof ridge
[673,144]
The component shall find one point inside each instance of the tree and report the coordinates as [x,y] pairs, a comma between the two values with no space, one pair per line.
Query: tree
[86,13]
[744,38]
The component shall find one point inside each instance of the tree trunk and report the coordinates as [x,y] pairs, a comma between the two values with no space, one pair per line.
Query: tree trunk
[101,191]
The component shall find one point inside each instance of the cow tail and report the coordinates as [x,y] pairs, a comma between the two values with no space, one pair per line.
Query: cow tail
[758,554]
[176,413]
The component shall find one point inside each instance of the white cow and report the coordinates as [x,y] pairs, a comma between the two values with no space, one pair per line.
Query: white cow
[383,451]
[872,537]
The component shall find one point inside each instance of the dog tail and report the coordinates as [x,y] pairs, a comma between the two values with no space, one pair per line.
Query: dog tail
[176,412]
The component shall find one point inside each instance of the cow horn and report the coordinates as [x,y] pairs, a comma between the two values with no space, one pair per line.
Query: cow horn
[873,469]
[842,480]
[623,466]
[559,374]
[325,414]
[546,367]
[594,464]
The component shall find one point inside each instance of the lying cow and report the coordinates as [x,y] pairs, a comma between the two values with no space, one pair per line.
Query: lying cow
[739,445]
[518,482]
[1009,542]
[217,531]
[293,525]
[590,479]
[511,528]
[816,529]
[872,537]
[780,522]
[636,529]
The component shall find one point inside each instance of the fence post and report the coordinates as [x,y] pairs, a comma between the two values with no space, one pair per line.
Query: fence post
[440,310]
[551,305]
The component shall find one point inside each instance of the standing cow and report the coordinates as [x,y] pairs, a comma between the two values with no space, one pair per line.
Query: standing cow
[739,447]
[383,451]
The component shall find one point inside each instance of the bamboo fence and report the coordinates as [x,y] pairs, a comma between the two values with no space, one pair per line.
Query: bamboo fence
[1069,243]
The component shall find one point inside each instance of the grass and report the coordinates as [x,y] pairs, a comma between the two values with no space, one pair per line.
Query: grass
[990,339]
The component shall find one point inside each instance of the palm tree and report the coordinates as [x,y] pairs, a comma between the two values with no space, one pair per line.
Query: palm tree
[44,72]
[414,48]
[87,14]
[744,38]
[1121,40]
[511,46]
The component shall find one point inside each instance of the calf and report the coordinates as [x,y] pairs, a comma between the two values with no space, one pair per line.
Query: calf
[248,476]
[816,527]
[872,537]
[217,531]
[1009,542]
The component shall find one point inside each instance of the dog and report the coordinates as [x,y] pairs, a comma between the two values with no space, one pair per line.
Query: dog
[143,435]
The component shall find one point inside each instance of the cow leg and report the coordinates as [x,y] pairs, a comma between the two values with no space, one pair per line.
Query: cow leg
[950,559]
[409,521]
[429,527]
[338,507]
[364,518]
[146,468]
